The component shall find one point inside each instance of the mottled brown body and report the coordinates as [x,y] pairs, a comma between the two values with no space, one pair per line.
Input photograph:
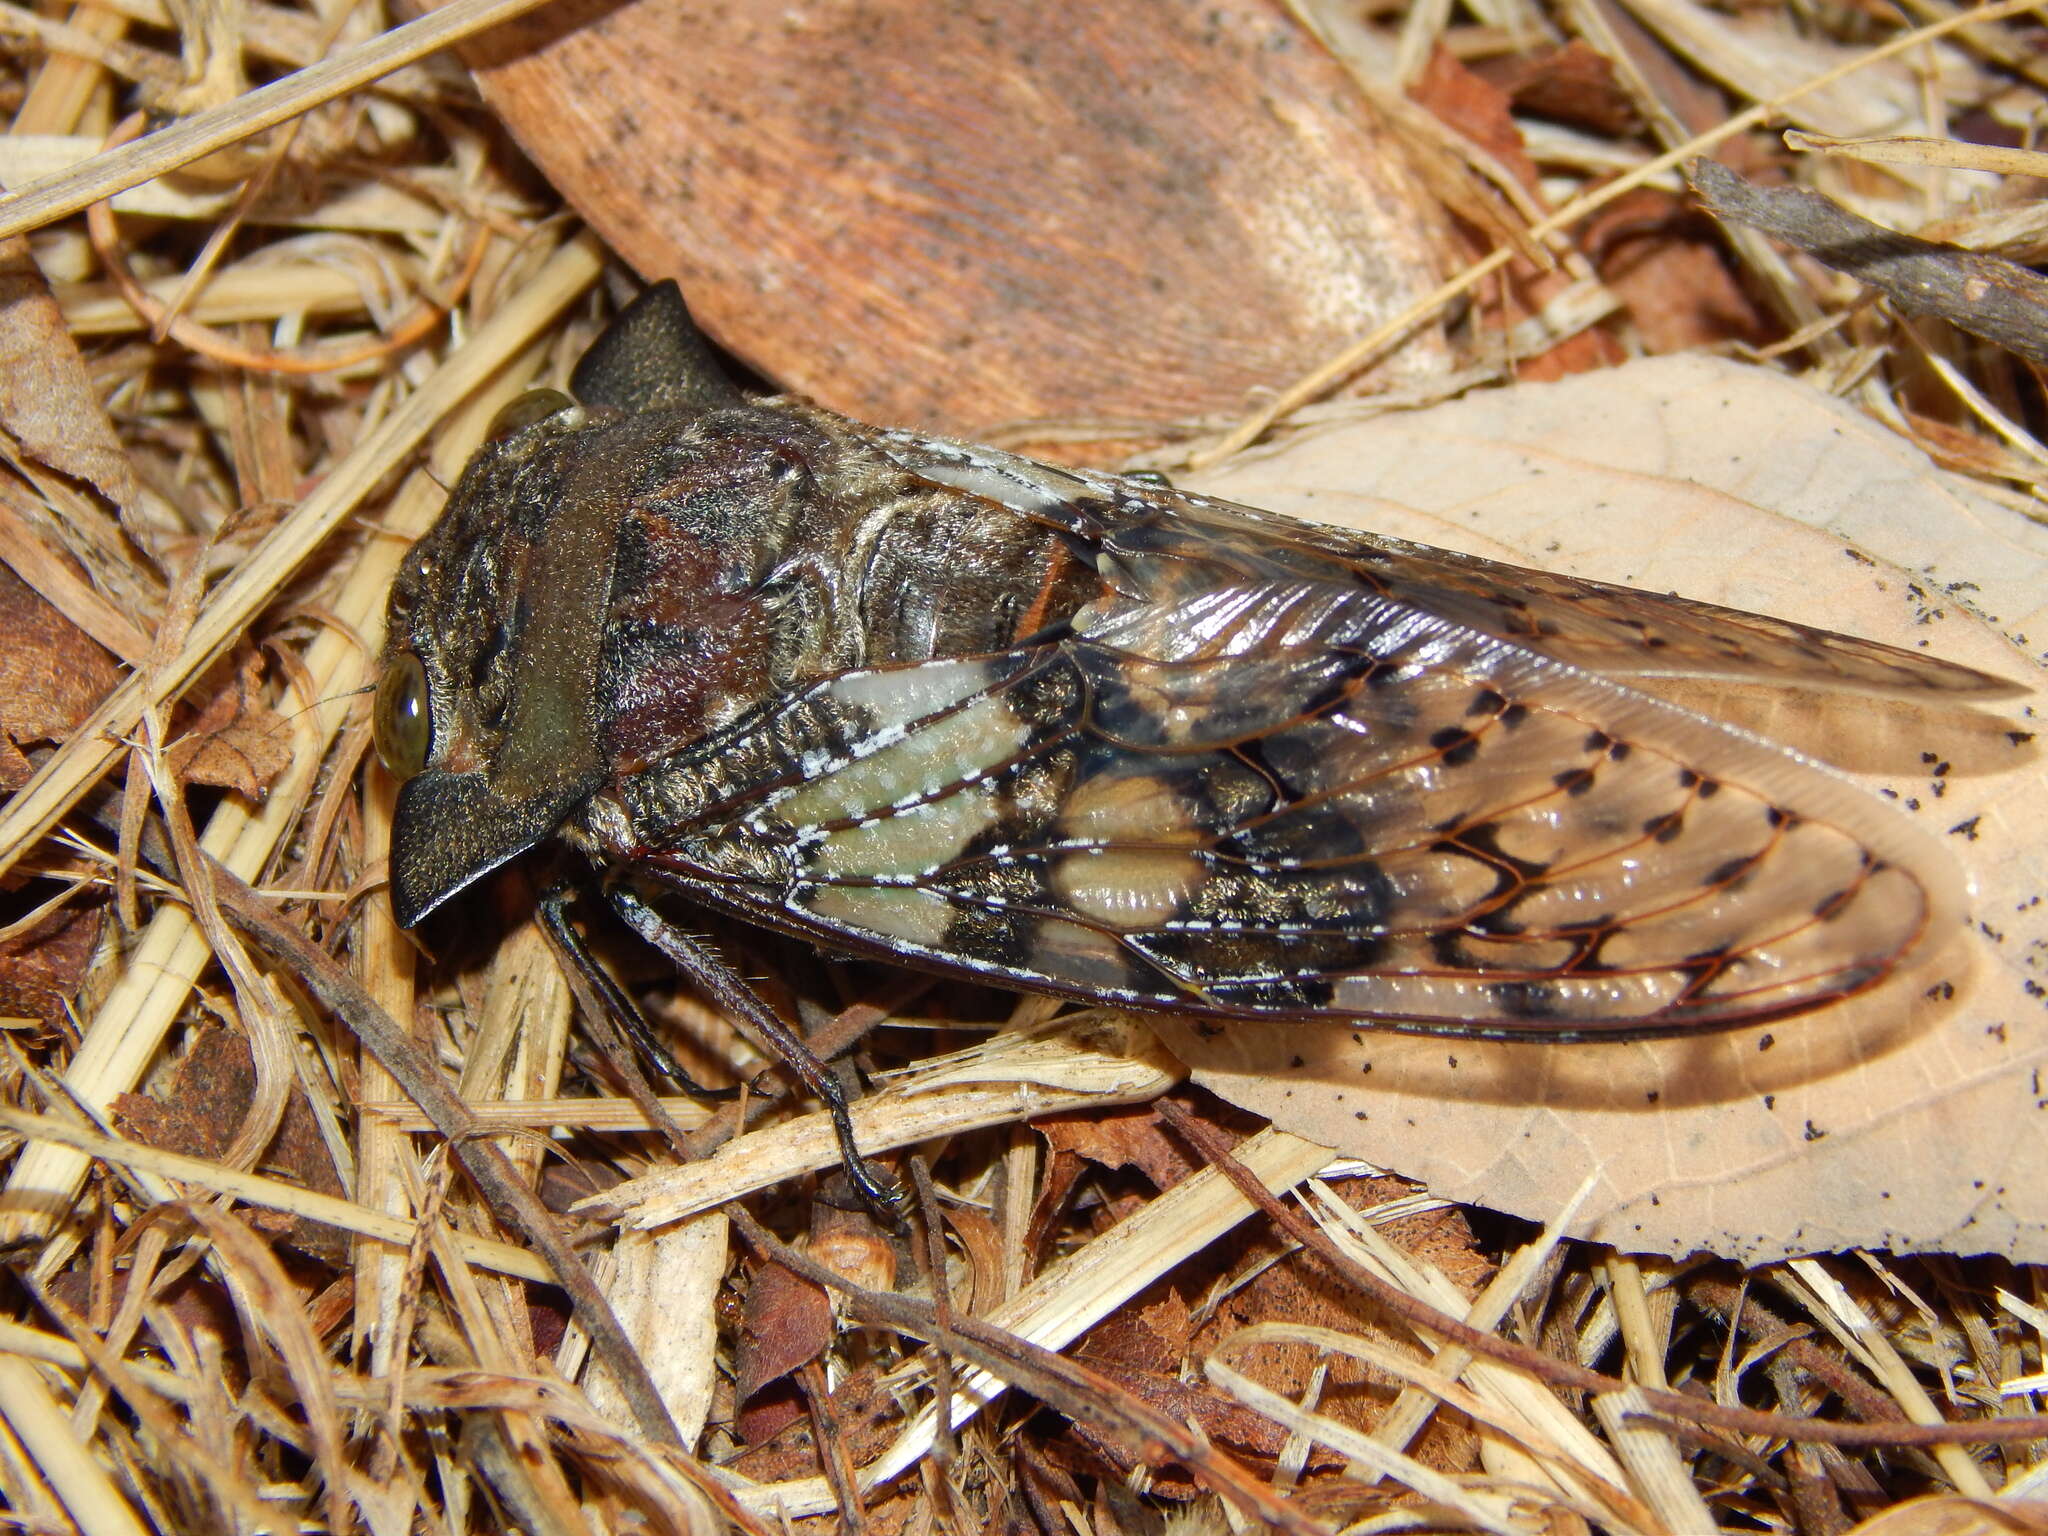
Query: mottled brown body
[1096,737]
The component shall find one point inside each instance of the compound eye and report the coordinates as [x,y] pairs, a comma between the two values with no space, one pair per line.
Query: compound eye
[522,411]
[404,730]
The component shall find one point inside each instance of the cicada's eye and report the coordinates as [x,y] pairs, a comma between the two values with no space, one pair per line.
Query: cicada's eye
[404,729]
[523,410]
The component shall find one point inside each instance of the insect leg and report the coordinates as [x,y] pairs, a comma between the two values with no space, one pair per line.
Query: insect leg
[569,945]
[727,990]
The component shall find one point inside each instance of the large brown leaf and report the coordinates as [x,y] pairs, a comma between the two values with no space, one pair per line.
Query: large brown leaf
[1906,1118]
[955,215]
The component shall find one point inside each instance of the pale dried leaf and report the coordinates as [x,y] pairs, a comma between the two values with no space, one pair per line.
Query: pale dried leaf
[1898,1119]
[1952,1515]
[664,1286]
[47,402]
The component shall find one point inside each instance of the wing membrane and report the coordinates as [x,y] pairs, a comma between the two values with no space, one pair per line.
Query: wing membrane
[1602,627]
[1268,773]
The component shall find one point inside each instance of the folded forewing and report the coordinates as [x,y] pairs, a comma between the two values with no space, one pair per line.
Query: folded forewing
[1263,778]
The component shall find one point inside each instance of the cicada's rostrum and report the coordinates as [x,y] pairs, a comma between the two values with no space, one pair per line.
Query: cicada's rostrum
[1088,735]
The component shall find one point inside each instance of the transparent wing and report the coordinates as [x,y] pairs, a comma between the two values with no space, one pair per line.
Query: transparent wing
[1269,774]
[1605,628]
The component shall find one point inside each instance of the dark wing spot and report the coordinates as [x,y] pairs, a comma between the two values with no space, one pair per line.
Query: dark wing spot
[1277,994]
[1458,746]
[1732,871]
[1525,999]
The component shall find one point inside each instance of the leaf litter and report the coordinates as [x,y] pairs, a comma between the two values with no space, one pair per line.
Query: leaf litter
[1092,1328]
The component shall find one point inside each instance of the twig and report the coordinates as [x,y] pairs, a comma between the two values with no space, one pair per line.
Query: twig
[510,1200]
[75,766]
[1362,352]
[1987,296]
[427,314]
[944,1450]
[1065,1385]
[104,175]
[270,1194]
[1564,1373]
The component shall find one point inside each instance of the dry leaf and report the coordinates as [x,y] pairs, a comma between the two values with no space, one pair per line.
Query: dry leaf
[1119,1138]
[199,1110]
[47,401]
[788,1323]
[1571,83]
[238,741]
[1243,1432]
[41,969]
[1154,1333]
[1953,1515]
[862,1413]
[1768,53]
[1476,108]
[1665,263]
[1300,1290]
[1479,112]
[1128,211]
[1906,1118]
[51,675]
[1203,1303]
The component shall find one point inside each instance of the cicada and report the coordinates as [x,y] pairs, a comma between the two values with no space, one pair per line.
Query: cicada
[1088,735]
